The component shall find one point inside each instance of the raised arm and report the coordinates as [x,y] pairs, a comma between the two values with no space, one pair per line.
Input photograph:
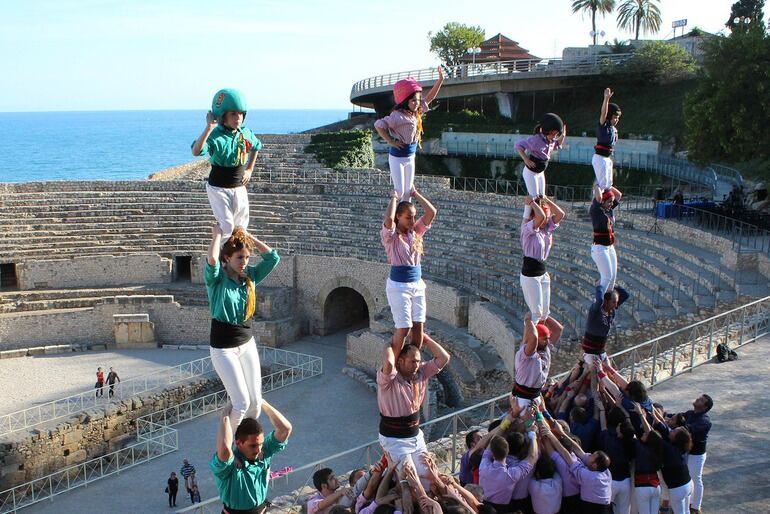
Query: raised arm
[536,210]
[436,87]
[281,424]
[211,123]
[616,193]
[429,208]
[530,335]
[224,440]
[261,246]
[560,449]
[384,485]
[435,349]
[557,212]
[216,242]
[390,211]
[563,136]
[605,106]
[597,193]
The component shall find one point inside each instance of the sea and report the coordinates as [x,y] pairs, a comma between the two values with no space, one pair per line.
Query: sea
[120,145]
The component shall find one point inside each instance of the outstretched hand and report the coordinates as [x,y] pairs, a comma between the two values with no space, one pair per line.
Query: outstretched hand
[608,93]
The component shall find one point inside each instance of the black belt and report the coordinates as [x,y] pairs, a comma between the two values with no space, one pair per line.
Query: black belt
[531,267]
[400,427]
[259,509]
[593,345]
[522,391]
[603,150]
[540,165]
[225,335]
[226,176]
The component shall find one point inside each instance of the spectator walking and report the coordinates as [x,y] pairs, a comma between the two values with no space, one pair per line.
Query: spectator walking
[99,386]
[111,378]
[186,470]
[172,487]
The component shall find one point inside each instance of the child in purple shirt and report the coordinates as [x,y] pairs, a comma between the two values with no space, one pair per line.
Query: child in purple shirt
[536,151]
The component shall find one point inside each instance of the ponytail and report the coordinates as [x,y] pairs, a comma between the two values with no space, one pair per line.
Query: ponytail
[238,241]
[251,299]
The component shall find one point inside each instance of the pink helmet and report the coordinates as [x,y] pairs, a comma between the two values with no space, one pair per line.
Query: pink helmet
[404,88]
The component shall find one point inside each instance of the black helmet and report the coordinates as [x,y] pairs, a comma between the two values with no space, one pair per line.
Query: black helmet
[551,121]
[612,109]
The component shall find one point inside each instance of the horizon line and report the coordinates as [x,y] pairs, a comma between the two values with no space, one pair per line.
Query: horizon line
[170,110]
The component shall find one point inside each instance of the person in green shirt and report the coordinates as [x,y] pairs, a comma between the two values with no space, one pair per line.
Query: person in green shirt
[242,474]
[230,286]
[233,150]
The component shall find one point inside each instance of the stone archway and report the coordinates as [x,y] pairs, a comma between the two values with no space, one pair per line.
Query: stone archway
[344,302]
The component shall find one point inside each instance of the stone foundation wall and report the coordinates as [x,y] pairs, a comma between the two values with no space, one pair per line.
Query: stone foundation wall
[95,271]
[25,456]
[488,323]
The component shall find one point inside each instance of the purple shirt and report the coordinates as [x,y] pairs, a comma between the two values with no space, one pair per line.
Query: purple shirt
[400,125]
[532,370]
[521,489]
[498,479]
[537,243]
[538,146]
[546,494]
[400,247]
[595,486]
[569,484]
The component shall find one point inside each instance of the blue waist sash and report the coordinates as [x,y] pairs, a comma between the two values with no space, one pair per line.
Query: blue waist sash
[403,152]
[405,273]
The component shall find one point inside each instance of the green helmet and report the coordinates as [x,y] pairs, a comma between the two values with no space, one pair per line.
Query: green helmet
[228,100]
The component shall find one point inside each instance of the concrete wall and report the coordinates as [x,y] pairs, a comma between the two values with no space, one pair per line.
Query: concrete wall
[572,143]
[488,323]
[95,271]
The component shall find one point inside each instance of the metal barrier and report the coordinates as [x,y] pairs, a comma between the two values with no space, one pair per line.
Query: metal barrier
[155,435]
[654,361]
[518,68]
[77,403]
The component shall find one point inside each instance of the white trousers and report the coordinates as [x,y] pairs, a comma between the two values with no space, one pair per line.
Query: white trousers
[230,206]
[647,499]
[407,302]
[535,183]
[408,450]
[402,175]
[524,403]
[241,374]
[621,496]
[537,295]
[602,170]
[679,498]
[695,465]
[607,261]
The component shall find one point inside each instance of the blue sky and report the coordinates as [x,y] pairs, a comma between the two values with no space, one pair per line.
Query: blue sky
[303,54]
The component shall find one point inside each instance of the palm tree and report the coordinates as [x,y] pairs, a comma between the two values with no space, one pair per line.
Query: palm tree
[602,6]
[639,14]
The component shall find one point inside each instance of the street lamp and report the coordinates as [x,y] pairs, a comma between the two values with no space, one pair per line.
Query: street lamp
[473,52]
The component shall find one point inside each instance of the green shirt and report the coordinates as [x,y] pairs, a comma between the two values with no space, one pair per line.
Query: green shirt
[243,484]
[227,298]
[225,145]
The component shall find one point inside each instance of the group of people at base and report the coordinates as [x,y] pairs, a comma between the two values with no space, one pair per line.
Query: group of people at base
[515,463]
[190,482]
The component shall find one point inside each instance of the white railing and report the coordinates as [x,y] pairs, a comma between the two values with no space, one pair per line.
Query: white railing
[155,435]
[77,403]
[518,69]
[653,362]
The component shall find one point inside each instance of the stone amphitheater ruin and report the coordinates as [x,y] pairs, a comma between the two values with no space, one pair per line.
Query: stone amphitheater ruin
[82,261]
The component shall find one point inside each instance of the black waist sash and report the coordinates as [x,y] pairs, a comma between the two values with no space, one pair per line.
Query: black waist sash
[225,335]
[604,238]
[540,165]
[522,391]
[592,344]
[603,150]
[259,509]
[532,267]
[400,427]
[226,176]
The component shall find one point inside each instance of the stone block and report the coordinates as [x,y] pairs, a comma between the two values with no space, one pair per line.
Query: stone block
[188,347]
[76,457]
[12,354]
[36,350]
[58,348]
[130,318]
[73,437]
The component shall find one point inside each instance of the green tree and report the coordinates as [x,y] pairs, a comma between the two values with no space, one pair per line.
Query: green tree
[658,62]
[743,10]
[454,40]
[636,15]
[726,115]
[620,47]
[593,6]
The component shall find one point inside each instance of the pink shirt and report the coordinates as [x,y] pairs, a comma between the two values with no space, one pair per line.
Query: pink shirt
[546,494]
[398,247]
[499,479]
[397,397]
[537,243]
[400,125]
[532,370]
[312,505]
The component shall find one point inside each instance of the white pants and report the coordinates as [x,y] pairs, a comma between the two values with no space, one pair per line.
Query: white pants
[621,496]
[535,183]
[602,170]
[407,450]
[241,374]
[679,498]
[230,206]
[537,295]
[695,465]
[402,175]
[607,261]
[647,499]
[524,403]
[591,358]
[407,302]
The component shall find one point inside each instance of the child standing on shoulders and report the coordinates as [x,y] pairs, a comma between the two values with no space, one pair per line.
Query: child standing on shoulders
[536,151]
[402,130]
[401,235]
[606,137]
[233,151]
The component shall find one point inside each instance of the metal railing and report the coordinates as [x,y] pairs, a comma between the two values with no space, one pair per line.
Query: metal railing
[155,435]
[77,403]
[654,361]
[496,70]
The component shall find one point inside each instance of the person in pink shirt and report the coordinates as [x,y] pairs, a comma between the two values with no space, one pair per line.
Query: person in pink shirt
[402,383]
[402,130]
[329,493]
[402,237]
[533,360]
